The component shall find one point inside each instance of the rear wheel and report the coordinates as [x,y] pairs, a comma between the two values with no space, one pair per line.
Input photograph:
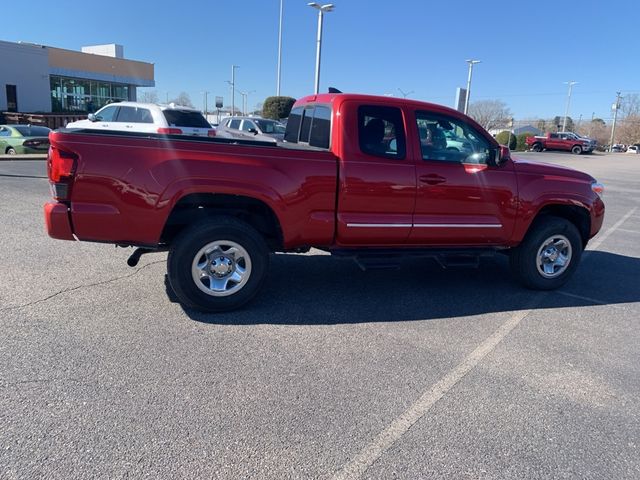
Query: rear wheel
[548,255]
[11,151]
[536,147]
[218,265]
[577,150]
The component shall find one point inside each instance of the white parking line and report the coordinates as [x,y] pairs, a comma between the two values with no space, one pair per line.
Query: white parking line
[601,238]
[626,230]
[361,462]
[358,465]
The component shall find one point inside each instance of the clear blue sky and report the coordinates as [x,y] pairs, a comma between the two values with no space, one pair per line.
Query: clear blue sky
[528,49]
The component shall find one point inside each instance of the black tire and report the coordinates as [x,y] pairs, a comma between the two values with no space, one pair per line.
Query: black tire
[524,259]
[192,240]
[11,151]
[536,147]
[576,150]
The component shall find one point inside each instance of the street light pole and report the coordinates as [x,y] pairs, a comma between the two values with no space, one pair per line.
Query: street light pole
[616,106]
[279,51]
[321,11]
[566,112]
[233,89]
[466,102]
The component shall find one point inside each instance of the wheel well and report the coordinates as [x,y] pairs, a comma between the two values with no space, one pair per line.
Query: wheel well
[579,216]
[198,206]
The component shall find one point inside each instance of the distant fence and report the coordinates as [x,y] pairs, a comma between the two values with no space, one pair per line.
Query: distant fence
[51,120]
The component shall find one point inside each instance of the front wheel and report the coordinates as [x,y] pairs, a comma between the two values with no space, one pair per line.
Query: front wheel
[548,255]
[536,147]
[218,265]
[577,150]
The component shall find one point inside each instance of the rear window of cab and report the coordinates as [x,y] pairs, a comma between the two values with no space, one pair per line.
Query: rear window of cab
[309,124]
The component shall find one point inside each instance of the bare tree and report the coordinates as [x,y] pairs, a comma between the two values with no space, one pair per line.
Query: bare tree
[183,99]
[628,130]
[630,105]
[490,114]
[148,96]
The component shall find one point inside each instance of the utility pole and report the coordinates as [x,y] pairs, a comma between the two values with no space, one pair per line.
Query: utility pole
[566,111]
[279,52]
[616,107]
[205,103]
[466,102]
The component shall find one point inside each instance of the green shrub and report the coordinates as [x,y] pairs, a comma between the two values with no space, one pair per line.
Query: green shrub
[520,143]
[277,107]
[504,137]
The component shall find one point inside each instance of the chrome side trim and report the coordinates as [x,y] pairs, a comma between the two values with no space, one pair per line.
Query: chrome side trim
[379,225]
[425,225]
[458,225]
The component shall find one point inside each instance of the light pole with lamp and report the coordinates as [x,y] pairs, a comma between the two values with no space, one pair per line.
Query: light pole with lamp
[566,111]
[279,51]
[466,102]
[322,9]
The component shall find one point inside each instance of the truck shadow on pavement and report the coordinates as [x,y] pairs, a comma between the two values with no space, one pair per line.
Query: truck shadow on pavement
[324,290]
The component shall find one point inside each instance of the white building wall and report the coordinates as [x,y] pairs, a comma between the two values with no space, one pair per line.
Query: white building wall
[27,67]
[108,50]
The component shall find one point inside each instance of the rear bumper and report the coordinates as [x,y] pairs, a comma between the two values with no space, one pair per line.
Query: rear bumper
[56,217]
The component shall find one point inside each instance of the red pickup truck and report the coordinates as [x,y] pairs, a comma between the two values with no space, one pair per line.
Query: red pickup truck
[373,178]
[567,141]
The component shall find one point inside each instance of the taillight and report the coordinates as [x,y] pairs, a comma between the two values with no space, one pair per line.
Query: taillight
[211,133]
[61,167]
[169,131]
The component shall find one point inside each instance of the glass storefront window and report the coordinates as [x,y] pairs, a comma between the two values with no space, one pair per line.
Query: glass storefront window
[80,95]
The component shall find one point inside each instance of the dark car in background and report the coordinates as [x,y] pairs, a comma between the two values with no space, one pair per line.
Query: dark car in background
[22,139]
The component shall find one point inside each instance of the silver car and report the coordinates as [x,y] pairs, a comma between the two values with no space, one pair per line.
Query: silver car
[252,128]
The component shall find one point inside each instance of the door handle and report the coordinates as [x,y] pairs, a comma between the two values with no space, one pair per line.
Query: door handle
[432,179]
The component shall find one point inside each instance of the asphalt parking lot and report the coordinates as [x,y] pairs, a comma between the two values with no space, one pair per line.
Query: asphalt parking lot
[331,373]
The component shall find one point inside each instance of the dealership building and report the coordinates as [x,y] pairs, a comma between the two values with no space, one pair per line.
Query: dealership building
[38,78]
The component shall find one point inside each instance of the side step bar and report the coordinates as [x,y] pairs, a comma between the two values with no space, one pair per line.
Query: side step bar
[386,259]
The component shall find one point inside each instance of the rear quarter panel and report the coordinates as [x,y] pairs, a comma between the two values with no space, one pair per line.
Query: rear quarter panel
[125,187]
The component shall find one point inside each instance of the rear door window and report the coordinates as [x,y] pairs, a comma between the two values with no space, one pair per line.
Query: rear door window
[235,123]
[185,118]
[381,131]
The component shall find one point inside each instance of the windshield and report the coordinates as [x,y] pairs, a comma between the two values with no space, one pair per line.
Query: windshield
[270,126]
[32,131]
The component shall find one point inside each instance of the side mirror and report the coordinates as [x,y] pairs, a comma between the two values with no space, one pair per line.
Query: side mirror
[253,130]
[503,155]
[92,117]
